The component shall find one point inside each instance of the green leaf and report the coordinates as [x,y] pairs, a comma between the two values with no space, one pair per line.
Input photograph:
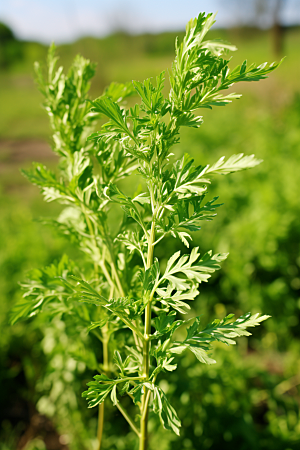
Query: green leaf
[166,365]
[177,299]
[23,309]
[149,280]
[101,377]
[131,364]
[199,73]
[218,47]
[188,119]
[45,290]
[137,393]
[251,73]
[97,392]
[192,330]
[135,355]
[113,395]
[201,355]
[234,164]
[133,242]
[80,175]
[192,267]
[50,187]
[87,293]
[98,324]
[199,342]
[128,205]
[188,214]
[187,178]
[118,361]
[117,92]
[165,323]
[126,307]
[228,329]
[151,96]
[165,410]
[201,352]
[112,110]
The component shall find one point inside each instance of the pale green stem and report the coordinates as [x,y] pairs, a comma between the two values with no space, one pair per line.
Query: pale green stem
[105,339]
[106,273]
[122,293]
[116,277]
[100,424]
[132,326]
[101,406]
[92,233]
[147,398]
[126,416]
[146,349]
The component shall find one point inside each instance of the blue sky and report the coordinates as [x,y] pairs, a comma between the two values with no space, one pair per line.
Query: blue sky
[66,20]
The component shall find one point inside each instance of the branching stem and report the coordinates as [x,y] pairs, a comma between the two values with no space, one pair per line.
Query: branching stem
[129,420]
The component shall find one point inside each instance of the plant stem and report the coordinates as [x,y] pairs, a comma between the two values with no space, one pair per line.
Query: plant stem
[106,274]
[105,339]
[118,281]
[92,234]
[105,368]
[124,413]
[100,424]
[146,349]
[122,293]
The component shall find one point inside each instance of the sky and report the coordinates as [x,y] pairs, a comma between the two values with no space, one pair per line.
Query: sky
[66,20]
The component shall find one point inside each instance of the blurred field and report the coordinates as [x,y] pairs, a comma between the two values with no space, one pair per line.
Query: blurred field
[253,402]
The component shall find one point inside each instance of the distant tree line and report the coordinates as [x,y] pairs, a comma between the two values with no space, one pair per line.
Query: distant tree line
[10,48]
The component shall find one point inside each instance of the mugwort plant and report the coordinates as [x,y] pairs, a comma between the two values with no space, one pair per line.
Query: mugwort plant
[121,288]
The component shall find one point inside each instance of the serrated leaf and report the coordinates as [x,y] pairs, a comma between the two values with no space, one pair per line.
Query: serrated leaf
[45,290]
[176,300]
[97,393]
[234,164]
[166,412]
[98,324]
[192,267]
[188,179]
[201,355]
[117,92]
[165,323]
[199,342]
[188,213]
[151,96]
[128,205]
[199,73]
[112,110]
[133,242]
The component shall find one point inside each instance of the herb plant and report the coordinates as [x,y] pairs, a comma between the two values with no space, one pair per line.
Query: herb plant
[121,293]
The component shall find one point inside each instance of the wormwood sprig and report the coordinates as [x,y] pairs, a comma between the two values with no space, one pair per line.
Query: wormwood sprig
[112,293]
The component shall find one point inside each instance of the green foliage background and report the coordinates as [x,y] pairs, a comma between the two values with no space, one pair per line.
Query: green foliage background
[250,399]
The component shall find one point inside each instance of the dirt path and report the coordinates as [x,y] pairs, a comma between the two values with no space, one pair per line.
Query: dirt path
[14,152]
[19,154]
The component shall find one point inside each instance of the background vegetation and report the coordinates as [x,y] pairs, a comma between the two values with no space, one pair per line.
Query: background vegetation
[250,399]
